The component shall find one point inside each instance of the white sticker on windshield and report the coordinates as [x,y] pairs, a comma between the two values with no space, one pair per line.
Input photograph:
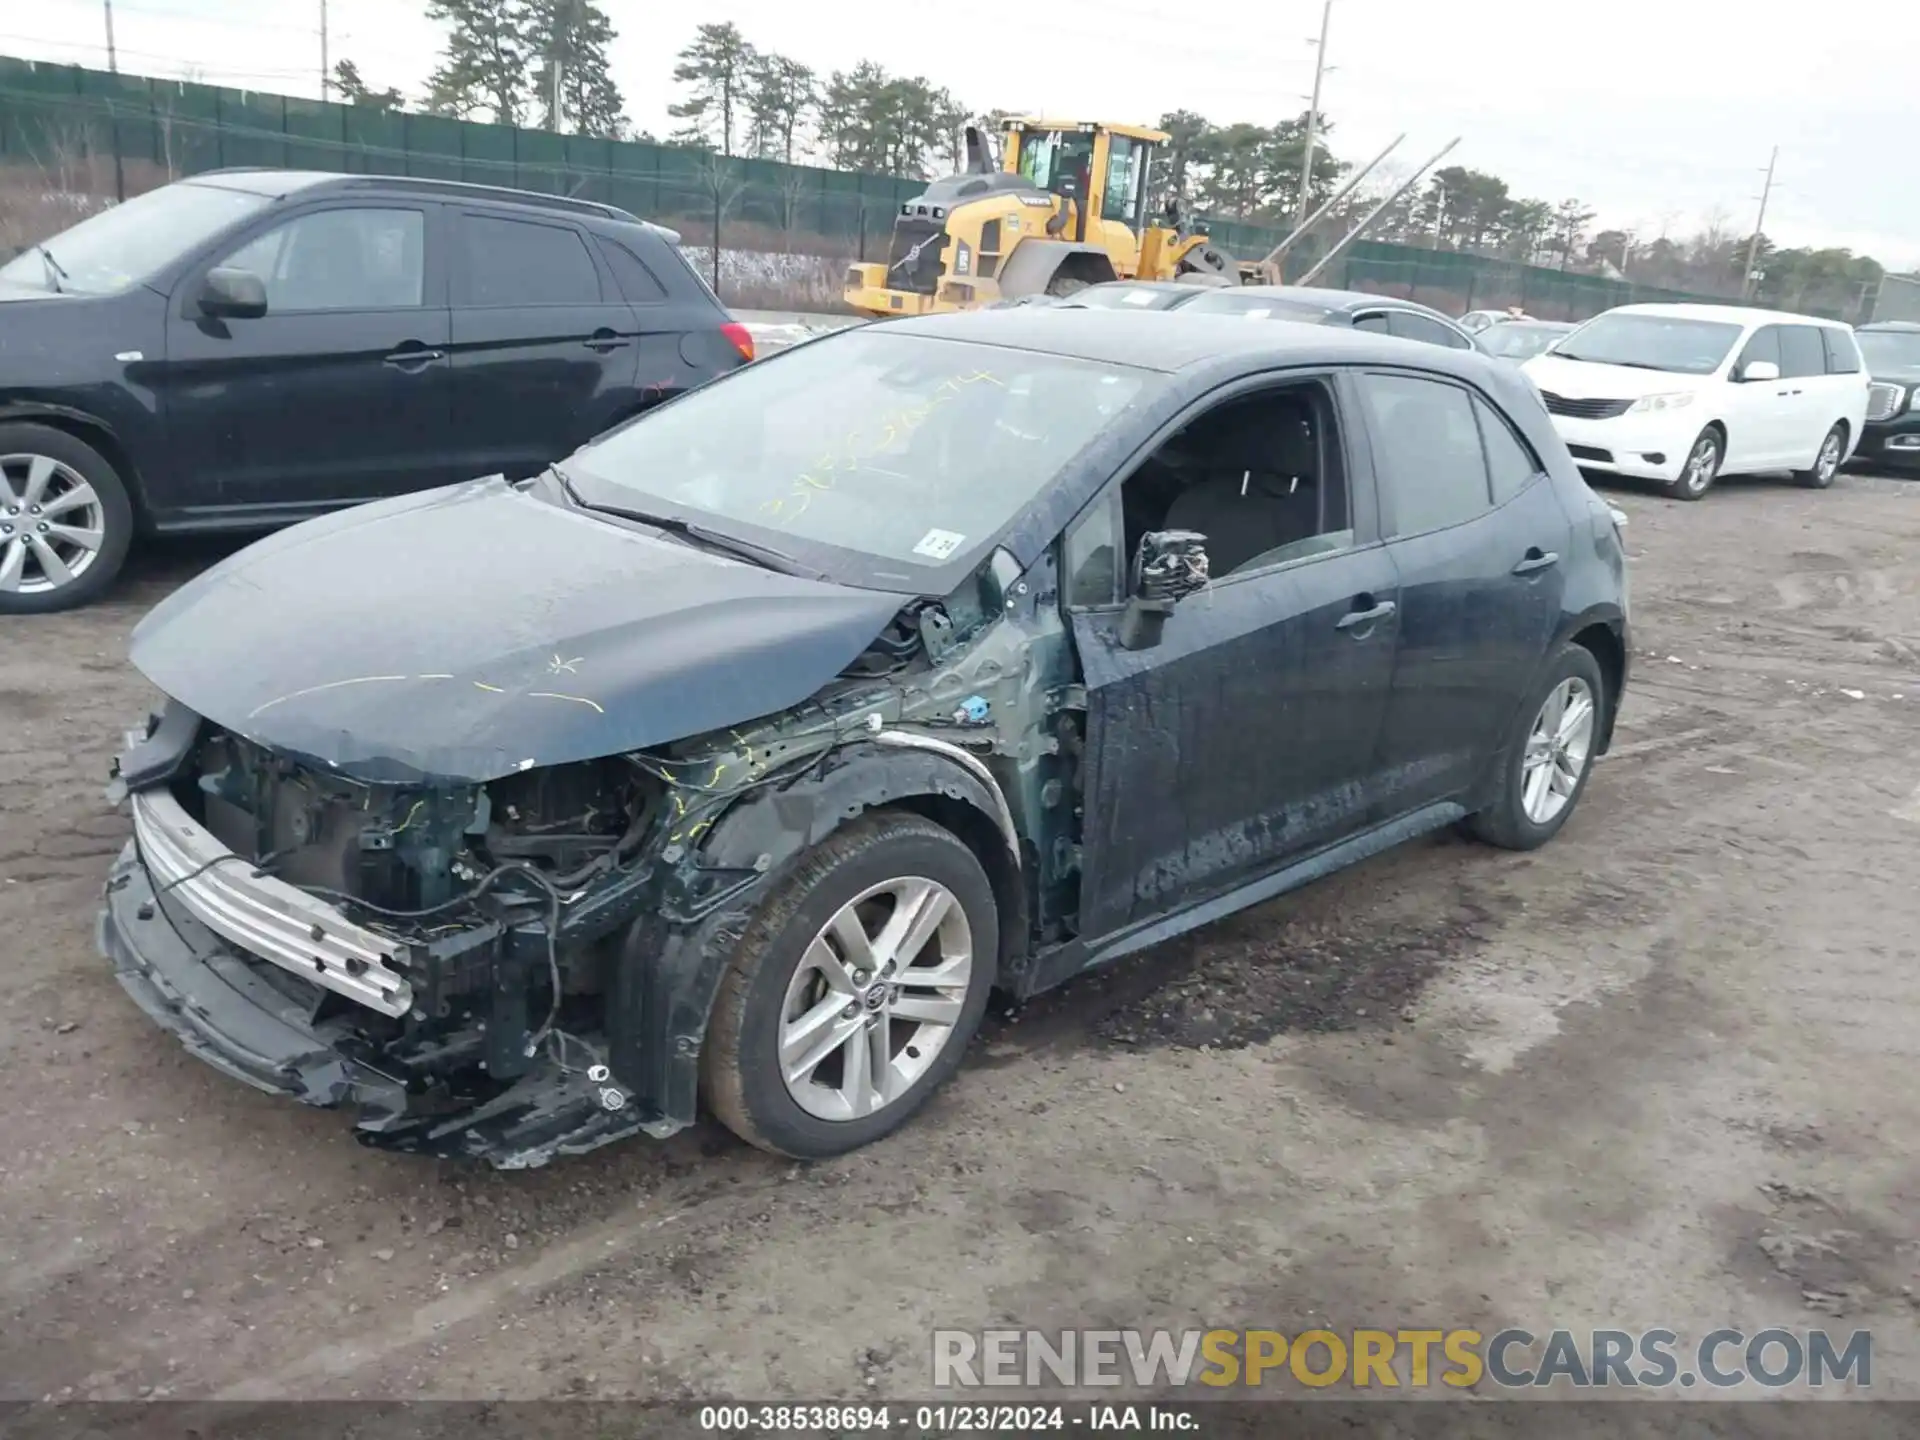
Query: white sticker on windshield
[1258,313]
[1140,297]
[939,544]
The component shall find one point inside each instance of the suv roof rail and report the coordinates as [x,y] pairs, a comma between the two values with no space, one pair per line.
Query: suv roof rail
[451,187]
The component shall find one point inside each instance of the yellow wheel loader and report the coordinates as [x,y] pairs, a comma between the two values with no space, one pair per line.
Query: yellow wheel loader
[1065,210]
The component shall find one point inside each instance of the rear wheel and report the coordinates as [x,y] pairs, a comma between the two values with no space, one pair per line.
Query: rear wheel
[1546,770]
[1702,467]
[65,521]
[855,991]
[1826,463]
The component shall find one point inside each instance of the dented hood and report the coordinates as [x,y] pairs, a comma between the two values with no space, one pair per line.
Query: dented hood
[470,632]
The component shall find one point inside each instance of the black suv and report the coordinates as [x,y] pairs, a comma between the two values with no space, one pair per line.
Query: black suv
[253,347]
[1891,349]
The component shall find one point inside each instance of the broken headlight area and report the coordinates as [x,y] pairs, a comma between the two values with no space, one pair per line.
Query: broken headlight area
[437,953]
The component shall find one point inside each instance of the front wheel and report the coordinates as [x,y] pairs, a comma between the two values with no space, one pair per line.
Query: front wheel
[1702,467]
[1826,463]
[65,521]
[1543,776]
[855,991]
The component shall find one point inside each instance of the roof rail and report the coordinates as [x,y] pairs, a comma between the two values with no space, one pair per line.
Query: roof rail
[369,180]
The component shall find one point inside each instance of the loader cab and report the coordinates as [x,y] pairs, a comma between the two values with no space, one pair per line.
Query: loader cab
[1104,168]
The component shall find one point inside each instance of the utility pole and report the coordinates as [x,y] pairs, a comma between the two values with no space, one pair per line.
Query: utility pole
[326,70]
[1753,245]
[1439,212]
[563,22]
[1313,114]
[113,56]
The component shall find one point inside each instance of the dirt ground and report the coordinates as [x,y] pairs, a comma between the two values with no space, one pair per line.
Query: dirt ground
[1659,1073]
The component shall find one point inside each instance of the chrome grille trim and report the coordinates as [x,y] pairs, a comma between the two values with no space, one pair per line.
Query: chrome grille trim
[1882,401]
[266,917]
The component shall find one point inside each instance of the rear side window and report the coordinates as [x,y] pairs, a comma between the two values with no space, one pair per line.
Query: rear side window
[522,262]
[1765,345]
[1410,326]
[1511,465]
[1375,322]
[1427,451]
[637,282]
[1801,352]
[1843,356]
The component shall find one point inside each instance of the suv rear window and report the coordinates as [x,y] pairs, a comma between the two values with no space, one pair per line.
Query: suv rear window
[637,282]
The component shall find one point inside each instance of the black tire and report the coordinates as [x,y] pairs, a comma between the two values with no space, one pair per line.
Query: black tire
[1065,285]
[1693,481]
[1827,461]
[739,1065]
[25,439]
[1505,822]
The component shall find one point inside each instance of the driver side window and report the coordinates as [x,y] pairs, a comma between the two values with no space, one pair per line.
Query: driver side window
[1260,475]
[359,259]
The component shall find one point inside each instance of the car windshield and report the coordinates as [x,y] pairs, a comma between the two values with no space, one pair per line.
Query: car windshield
[1889,350]
[1651,342]
[1517,340]
[875,457]
[130,242]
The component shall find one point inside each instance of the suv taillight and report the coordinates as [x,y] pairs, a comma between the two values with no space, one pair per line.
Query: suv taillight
[741,337]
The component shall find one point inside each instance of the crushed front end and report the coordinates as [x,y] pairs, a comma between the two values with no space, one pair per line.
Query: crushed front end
[433,955]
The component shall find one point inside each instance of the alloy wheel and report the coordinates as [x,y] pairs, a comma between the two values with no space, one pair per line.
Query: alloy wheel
[1558,749]
[52,524]
[1702,464]
[1829,460]
[875,998]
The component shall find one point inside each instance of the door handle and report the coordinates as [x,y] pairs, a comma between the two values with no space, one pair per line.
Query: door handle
[1363,620]
[404,359]
[1535,561]
[601,341]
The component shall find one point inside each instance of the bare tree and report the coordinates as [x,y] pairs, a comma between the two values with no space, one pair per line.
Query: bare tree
[721,185]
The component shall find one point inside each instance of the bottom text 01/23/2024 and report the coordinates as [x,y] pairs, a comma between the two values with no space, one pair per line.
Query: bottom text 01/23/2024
[955,1419]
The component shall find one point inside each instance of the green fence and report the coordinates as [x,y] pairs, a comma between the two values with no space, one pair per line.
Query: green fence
[51,115]
[124,133]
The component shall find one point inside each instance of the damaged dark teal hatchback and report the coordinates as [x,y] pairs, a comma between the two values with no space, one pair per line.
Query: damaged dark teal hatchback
[739,757]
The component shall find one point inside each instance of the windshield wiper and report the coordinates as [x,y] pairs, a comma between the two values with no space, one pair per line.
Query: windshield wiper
[1623,364]
[56,273]
[701,535]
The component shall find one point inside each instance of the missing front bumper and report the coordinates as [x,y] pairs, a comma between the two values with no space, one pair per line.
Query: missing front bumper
[227,1011]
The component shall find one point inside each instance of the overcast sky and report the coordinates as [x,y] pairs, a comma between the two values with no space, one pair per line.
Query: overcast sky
[1656,113]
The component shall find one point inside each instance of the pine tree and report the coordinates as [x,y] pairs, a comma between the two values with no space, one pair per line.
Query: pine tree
[783,94]
[575,34]
[485,65]
[355,91]
[717,65]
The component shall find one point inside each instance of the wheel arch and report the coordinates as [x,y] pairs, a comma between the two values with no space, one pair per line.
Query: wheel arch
[668,976]
[1604,641]
[88,429]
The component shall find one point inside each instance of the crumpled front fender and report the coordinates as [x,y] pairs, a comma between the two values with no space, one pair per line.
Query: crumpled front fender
[672,962]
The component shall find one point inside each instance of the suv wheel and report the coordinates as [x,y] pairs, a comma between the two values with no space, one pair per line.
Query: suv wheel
[853,994]
[65,521]
[1827,463]
[1546,770]
[1702,467]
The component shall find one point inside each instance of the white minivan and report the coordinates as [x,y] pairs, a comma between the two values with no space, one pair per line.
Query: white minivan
[1683,393]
